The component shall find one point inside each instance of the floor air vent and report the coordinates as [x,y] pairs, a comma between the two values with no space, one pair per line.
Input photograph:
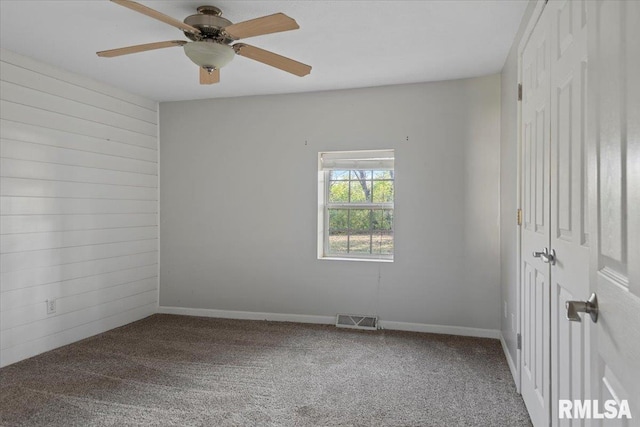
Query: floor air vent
[357,322]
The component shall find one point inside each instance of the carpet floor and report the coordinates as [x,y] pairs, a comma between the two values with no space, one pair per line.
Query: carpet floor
[170,370]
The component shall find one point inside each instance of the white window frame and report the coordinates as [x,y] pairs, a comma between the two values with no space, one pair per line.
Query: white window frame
[349,160]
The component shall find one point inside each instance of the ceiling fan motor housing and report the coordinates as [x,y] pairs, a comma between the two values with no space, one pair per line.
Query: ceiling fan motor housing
[210,23]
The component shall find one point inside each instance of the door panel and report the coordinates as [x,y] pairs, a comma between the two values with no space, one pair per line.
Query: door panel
[570,274]
[568,380]
[535,297]
[614,147]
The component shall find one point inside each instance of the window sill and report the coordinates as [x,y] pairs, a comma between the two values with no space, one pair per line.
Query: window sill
[332,258]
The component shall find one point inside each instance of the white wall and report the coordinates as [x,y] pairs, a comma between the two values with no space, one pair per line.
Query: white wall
[508,191]
[78,211]
[238,203]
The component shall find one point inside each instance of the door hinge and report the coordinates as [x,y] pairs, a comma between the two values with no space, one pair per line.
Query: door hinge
[519,342]
[519,216]
[519,91]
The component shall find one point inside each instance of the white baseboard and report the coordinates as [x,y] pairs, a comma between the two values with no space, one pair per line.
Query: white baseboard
[248,315]
[328,320]
[512,366]
[441,329]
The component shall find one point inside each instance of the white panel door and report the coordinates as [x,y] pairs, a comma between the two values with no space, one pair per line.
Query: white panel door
[614,146]
[569,220]
[535,298]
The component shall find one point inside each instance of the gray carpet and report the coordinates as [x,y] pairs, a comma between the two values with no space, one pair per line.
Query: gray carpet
[173,370]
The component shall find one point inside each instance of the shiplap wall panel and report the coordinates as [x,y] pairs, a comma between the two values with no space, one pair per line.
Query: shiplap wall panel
[33,259]
[65,239]
[37,135]
[12,224]
[51,85]
[29,314]
[52,206]
[39,276]
[44,188]
[35,98]
[17,112]
[40,328]
[41,153]
[23,297]
[54,172]
[78,207]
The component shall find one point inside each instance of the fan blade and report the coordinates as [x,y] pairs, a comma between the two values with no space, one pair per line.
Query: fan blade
[157,15]
[209,78]
[266,25]
[139,48]
[273,59]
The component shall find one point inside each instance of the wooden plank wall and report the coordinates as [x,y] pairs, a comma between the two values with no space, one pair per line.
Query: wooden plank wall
[78,207]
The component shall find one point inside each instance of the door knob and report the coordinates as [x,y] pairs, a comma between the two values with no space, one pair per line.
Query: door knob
[590,306]
[548,257]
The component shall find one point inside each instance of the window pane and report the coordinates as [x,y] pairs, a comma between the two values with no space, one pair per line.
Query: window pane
[338,243]
[338,175]
[377,220]
[382,243]
[382,175]
[382,220]
[338,219]
[360,174]
[360,231]
[360,242]
[360,220]
[360,192]
[339,191]
[382,191]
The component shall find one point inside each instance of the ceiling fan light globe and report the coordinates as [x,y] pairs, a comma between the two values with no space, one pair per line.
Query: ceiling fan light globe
[209,54]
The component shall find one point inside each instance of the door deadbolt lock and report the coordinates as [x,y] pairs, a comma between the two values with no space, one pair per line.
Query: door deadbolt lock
[548,257]
[590,306]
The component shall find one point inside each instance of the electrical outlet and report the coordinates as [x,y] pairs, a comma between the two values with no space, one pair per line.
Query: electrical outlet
[513,322]
[51,306]
[504,304]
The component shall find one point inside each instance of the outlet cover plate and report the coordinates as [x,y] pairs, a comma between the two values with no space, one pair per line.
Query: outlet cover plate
[51,306]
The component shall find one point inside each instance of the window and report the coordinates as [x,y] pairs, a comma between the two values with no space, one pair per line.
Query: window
[355,212]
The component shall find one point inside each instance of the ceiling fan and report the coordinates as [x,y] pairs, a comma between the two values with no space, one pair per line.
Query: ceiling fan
[212,35]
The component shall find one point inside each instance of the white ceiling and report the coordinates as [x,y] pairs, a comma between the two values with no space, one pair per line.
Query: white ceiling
[349,43]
